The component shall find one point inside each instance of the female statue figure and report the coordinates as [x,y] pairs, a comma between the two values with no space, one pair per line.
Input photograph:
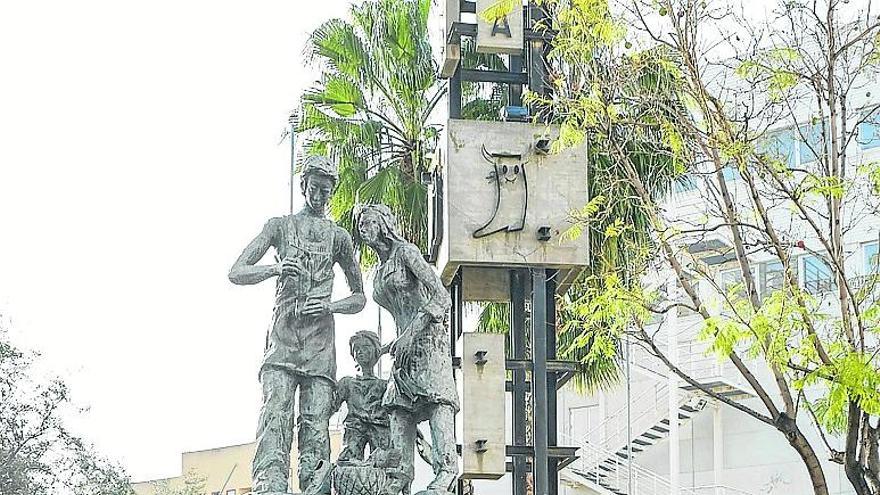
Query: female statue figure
[421,386]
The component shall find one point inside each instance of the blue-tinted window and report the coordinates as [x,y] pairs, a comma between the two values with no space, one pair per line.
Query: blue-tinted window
[730,173]
[685,183]
[818,276]
[810,143]
[869,132]
[781,146]
[872,260]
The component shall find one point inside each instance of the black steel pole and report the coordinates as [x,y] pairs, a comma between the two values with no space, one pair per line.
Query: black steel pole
[455,94]
[518,351]
[552,418]
[514,91]
[539,380]
[455,330]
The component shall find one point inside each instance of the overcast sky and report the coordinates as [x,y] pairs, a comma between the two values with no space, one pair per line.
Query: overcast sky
[138,155]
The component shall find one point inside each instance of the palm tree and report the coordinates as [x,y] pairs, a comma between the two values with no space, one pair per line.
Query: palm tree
[370,110]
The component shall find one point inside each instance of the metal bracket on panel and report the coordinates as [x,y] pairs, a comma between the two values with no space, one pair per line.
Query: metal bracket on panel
[480,358]
[544,233]
[563,378]
[480,446]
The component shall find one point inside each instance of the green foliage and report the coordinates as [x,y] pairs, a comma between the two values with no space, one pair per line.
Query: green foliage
[873,57]
[38,455]
[871,171]
[498,10]
[371,108]
[770,333]
[772,68]
[620,105]
[825,186]
[851,377]
[596,314]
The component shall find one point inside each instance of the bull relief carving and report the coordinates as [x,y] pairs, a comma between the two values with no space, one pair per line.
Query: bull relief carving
[508,175]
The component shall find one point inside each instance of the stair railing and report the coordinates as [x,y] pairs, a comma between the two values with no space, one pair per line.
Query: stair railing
[602,467]
[615,423]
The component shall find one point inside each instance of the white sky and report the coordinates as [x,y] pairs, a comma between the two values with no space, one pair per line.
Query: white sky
[138,155]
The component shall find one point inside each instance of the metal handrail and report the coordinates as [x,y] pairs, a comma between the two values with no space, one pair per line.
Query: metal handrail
[617,474]
[645,481]
[720,490]
[657,389]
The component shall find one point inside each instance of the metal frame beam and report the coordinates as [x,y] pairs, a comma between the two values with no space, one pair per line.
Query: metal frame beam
[517,335]
[540,472]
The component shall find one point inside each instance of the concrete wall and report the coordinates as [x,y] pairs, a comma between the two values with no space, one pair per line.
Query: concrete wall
[218,464]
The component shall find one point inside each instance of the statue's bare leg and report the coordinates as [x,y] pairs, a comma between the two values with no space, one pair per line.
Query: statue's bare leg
[313,426]
[445,457]
[403,440]
[271,467]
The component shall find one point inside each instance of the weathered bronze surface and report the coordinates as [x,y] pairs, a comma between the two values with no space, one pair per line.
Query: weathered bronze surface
[300,348]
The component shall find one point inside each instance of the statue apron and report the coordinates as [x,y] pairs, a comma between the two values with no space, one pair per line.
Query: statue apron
[303,344]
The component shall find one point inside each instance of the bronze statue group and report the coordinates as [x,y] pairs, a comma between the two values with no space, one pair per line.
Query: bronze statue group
[301,353]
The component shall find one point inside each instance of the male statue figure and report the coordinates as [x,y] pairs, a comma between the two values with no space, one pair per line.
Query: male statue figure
[300,348]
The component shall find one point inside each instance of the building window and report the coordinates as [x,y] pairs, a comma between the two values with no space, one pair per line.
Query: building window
[796,147]
[818,276]
[730,173]
[810,143]
[772,277]
[872,257]
[869,132]
[685,183]
[781,146]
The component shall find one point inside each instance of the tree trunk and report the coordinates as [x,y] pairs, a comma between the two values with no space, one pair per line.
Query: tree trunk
[802,446]
[851,462]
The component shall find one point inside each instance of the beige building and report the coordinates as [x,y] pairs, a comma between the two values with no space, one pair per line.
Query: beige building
[225,470]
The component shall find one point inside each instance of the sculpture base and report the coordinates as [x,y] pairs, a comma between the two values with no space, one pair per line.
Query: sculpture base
[358,480]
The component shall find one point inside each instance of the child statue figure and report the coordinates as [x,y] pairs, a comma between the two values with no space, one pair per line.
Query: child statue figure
[367,422]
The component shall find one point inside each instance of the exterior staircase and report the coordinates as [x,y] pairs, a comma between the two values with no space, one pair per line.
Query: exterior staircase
[611,475]
[604,465]
[605,470]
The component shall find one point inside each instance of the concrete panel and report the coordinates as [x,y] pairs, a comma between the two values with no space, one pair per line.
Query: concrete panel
[450,54]
[483,406]
[498,224]
[485,284]
[500,36]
